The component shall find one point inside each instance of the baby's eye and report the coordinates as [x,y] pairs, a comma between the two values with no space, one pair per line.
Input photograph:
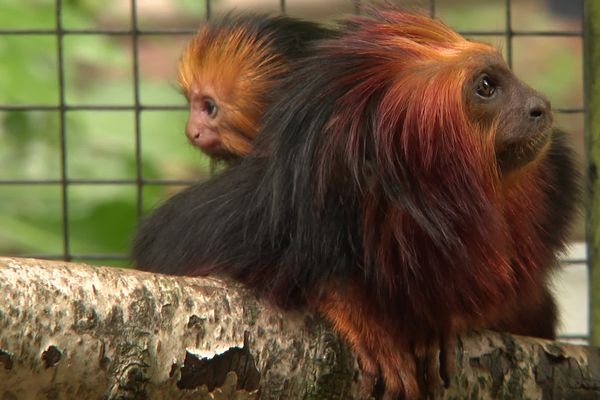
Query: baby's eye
[210,107]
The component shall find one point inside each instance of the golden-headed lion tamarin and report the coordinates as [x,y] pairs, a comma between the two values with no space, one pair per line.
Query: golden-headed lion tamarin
[229,73]
[405,185]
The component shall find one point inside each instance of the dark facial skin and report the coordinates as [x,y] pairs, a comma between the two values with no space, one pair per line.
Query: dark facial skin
[202,128]
[523,116]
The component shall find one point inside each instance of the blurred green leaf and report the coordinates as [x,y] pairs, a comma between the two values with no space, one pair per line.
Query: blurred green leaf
[23,236]
[105,227]
[27,14]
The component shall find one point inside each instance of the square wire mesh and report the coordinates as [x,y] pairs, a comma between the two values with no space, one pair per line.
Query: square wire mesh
[67,181]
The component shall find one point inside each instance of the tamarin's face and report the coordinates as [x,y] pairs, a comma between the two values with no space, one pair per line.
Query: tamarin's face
[202,128]
[209,126]
[522,116]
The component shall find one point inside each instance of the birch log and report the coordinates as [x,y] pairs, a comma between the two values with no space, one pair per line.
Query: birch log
[72,331]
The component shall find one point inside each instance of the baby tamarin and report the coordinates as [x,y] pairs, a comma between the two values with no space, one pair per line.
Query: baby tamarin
[229,74]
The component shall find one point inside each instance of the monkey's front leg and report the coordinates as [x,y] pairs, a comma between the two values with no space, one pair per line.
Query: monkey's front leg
[374,339]
[532,314]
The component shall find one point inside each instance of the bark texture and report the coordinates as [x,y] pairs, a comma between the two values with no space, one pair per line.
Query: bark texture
[72,331]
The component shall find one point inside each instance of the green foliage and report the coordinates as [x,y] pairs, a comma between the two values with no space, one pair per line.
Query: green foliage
[99,145]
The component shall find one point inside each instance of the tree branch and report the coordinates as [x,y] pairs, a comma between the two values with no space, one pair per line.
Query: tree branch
[75,331]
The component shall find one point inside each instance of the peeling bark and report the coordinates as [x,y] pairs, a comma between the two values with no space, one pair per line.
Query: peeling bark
[71,331]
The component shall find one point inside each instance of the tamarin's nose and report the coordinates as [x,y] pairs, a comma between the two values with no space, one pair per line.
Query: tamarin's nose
[537,107]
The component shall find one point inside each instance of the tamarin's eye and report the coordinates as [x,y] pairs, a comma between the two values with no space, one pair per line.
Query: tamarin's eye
[210,107]
[486,87]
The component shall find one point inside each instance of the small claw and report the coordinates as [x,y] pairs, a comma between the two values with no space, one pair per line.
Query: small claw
[447,358]
[435,364]
[368,384]
[369,372]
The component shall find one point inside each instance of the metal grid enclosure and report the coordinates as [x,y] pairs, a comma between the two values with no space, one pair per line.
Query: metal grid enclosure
[63,106]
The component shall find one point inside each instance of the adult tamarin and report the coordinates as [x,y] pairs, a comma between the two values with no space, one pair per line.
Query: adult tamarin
[412,188]
[228,73]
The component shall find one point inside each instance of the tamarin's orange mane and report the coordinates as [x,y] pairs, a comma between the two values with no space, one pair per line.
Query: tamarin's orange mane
[423,100]
[235,66]
[436,167]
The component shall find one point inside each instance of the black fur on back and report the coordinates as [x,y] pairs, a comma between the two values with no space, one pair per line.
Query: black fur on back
[291,37]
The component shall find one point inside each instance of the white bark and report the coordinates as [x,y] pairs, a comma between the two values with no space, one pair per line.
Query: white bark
[71,331]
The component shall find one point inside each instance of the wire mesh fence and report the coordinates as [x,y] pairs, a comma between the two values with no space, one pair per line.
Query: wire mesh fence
[519,33]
